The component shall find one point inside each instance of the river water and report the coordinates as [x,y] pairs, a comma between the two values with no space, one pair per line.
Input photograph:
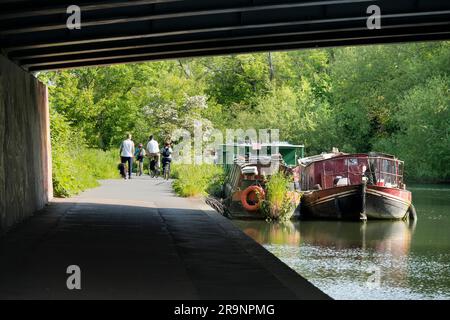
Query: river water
[373,260]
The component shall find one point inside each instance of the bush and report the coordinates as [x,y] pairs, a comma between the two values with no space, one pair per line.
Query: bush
[423,138]
[75,166]
[197,180]
[278,204]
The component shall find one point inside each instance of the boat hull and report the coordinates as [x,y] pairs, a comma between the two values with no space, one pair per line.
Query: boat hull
[356,202]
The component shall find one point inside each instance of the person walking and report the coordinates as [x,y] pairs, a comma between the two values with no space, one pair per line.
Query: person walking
[153,154]
[166,159]
[140,156]
[127,153]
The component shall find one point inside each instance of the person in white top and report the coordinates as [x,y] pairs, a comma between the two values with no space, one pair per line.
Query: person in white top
[153,154]
[152,146]
[127,153]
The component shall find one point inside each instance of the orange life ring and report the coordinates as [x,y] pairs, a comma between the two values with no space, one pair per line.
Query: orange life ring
[250,192]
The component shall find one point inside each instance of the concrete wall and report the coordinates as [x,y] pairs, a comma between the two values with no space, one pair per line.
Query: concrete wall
[25,157]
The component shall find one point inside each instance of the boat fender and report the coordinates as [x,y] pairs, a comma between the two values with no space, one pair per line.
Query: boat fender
[412,214]
[245,194]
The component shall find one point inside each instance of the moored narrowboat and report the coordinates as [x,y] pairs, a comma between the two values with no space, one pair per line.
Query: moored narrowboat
[249,171]
[354,187]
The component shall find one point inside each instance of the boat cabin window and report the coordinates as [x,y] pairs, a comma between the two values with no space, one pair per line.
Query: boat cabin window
[345,171]
[342,172]
[388,174]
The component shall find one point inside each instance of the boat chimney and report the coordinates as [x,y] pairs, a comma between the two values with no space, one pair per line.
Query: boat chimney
[335,150]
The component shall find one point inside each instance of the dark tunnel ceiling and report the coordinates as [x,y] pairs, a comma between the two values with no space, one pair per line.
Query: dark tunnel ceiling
[35,36]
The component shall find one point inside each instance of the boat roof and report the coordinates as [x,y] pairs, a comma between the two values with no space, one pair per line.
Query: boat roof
[333,155]
[251,161]
[273,144]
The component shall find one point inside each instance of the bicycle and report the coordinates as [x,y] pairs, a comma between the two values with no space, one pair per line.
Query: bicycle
[166,170]
[153,169]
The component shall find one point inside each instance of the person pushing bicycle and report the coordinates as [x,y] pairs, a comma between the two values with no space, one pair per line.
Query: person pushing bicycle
[153,155]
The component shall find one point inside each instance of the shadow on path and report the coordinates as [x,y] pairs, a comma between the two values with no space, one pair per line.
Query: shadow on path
[131,248]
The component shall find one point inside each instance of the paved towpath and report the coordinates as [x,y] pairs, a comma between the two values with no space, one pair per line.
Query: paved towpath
[136,240]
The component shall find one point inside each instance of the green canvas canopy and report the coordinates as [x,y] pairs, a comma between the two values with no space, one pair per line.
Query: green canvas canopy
[289,152]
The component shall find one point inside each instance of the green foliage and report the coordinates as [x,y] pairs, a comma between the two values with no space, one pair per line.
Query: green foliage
[277,204]
[394,99]
[423,138]
[369,82]
[75,166]
[236,80]
[197,180]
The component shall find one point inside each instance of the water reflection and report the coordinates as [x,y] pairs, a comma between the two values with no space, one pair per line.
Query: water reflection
[271,233]
[342,258]
[412,261]
[379,236]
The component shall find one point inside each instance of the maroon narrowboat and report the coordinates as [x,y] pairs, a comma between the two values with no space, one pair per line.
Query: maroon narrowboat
[354,187]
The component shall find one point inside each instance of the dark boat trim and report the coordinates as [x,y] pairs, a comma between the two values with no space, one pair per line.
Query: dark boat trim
[330,197]
[354,202]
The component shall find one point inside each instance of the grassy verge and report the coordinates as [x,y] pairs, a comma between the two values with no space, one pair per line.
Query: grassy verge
[80,169]
[197,180]
[75,166]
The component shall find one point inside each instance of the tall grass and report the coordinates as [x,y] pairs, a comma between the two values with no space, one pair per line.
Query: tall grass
[75,166]
[197,180]
[80,169]
[277,204]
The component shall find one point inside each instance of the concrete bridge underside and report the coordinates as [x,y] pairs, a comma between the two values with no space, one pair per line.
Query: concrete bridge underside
[34,34]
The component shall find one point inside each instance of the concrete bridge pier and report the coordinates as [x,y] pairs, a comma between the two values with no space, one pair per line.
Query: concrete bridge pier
[25,157]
